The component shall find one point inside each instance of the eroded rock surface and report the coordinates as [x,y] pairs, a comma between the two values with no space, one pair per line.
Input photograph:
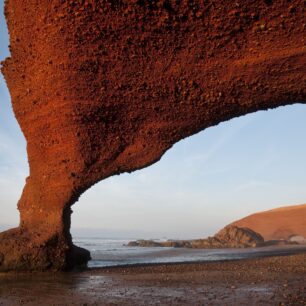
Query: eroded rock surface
[234,236]
[105,87]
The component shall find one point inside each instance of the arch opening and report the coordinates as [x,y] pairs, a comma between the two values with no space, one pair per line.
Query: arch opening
[246,165]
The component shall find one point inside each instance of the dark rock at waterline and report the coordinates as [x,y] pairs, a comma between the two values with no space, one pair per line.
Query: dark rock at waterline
[233,236]
[229,237]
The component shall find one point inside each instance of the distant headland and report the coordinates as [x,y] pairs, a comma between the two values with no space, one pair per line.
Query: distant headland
[280,226]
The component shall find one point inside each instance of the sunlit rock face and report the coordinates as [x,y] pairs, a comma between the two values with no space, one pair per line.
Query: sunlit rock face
[104,87]
[287,223]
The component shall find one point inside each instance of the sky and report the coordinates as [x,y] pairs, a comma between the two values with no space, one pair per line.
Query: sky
[245,165]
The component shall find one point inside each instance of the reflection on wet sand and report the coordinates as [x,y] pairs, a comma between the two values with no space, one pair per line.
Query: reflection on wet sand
[257,281]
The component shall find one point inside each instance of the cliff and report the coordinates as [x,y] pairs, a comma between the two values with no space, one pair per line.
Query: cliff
[279,223]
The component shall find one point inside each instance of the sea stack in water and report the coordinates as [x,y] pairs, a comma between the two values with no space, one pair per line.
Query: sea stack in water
[105,87]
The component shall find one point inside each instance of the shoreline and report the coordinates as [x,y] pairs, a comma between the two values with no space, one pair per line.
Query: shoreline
[269,280]
[278,251]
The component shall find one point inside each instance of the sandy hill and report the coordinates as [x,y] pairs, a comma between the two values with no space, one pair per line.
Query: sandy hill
[279,223]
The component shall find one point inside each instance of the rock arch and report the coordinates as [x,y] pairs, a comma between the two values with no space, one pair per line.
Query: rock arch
[105,87]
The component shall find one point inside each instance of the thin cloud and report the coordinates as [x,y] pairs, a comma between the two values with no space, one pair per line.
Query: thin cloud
[253,184]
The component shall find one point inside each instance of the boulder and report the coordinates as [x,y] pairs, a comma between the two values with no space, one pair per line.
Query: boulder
[233,236]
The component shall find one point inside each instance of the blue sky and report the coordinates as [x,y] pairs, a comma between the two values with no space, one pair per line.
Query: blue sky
[248,164]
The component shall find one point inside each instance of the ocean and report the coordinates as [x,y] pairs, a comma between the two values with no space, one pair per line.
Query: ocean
[114,252]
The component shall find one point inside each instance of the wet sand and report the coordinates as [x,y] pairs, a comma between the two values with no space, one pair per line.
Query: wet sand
[278,280]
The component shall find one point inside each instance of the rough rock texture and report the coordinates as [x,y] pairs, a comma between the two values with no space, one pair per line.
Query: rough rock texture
[234,236]
[104,87]
[229,237]
[279,223]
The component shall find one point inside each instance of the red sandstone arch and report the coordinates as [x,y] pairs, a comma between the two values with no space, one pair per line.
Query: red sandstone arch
[104,87]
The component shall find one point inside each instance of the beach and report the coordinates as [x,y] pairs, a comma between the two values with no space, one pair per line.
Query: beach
[276,280]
